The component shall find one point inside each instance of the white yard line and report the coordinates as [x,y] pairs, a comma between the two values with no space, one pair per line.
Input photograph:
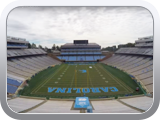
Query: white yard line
[90,79]
[73,77]
[41,85]
[116,79]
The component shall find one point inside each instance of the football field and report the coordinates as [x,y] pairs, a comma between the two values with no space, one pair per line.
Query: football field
[73,80]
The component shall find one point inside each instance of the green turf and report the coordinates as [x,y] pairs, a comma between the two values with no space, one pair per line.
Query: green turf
[70,76]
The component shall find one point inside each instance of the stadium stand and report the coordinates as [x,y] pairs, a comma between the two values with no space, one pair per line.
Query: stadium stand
[12,85]
[23,63]
[13,42]
[136,61]
[27,66]
[111,106]
[80,51]
[55,107]
[24,52]
[13,82]
[139,67]
[72,58]
[11,89]
[21,104]
[121,105]
[143,103]
[138,51]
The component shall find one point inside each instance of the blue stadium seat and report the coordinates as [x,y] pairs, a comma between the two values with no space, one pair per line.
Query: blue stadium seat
[72,58]
[16,45]
[97,57]
[11,89]
[89,58]
[13,82]
[64,53]
[65,58]
[59,57]
[81,58]
[102,57]
[97,53]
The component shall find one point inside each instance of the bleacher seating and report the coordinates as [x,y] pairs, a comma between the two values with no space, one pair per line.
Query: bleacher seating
[55,107]
[11,89]
[102,56]
[140,51]
[24,52]
[89,58]
[28,66]
[97,57]
[14,82]
[72,58]
[111,106]
[65,58]
[20,104]
[16,45]
[14,77]
[81,58]
[76,49]
[81,52]
[140,67]
[147,81]
[149,87]
[97,53]
[122,105]
[143,103]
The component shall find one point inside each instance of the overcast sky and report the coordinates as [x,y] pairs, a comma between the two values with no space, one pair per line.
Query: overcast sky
[106,26]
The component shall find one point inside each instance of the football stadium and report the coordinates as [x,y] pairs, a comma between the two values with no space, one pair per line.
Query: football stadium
[80,78]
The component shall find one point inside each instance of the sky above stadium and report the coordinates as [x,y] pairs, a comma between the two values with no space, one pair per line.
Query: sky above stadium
[106,26]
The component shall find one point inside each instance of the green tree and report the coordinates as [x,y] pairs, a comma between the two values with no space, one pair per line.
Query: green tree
[130,45]
[53,47]
[111,49]
[49,51]
[40,46]
[58,48]
[29,45]
[46,49]
[33,45]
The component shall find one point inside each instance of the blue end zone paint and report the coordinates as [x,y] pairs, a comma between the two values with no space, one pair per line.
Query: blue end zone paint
[51,89]
[105,90]
[113,89]
[81,102]
[95,90]
[83,71]
[69,90]
[60,90]
[84,90]
[78,90]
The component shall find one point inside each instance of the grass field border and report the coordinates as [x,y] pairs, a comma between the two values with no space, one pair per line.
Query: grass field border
[38,87]
[126,89]
[117,80]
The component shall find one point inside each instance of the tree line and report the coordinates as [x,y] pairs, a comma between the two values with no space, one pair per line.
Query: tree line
[114,48]
[54,47]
